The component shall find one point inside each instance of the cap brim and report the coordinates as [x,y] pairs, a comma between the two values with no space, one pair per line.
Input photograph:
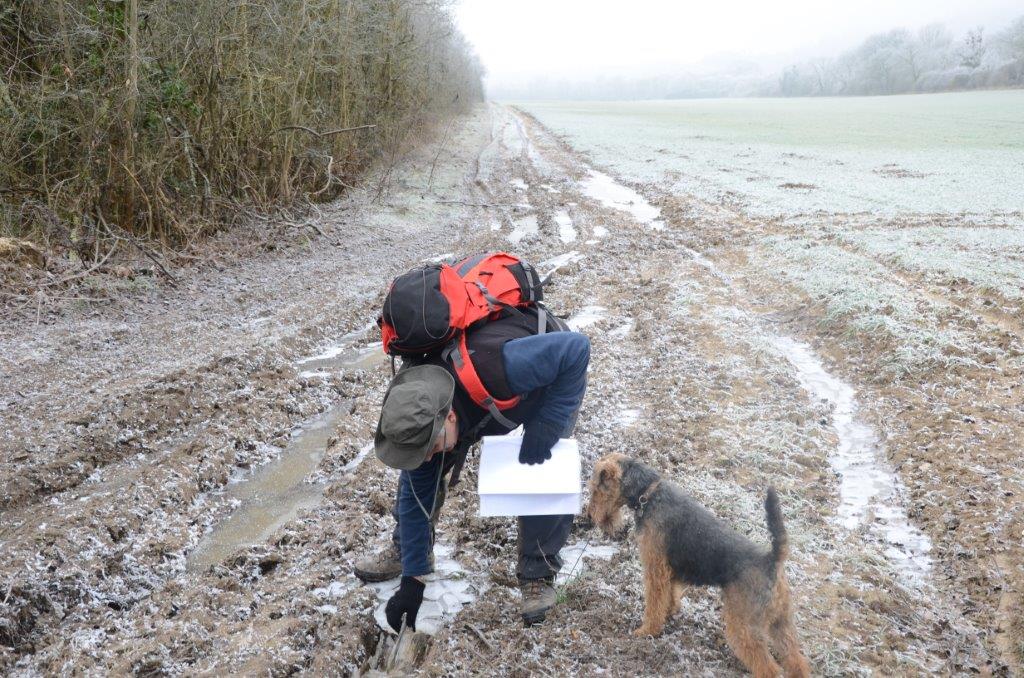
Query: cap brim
[409,457]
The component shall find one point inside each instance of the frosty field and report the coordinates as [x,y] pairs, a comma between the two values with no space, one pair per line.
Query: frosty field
[959,152]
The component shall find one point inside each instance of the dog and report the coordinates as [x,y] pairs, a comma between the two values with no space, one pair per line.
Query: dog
[681,542]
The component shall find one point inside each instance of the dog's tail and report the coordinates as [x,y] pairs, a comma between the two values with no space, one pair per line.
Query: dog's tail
[780,542]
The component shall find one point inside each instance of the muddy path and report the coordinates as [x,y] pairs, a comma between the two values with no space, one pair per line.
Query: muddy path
[185,479]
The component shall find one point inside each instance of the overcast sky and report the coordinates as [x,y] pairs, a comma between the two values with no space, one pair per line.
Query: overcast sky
[518,40]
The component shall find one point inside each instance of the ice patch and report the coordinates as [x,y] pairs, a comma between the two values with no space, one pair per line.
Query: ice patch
[495,225]
[611,193]
[566,232]
[336,589]
[448,590]
[524,227]
[549,188]
[342,345]
[870,492]
[439,258]
[358,459]
[622,330]
[600,231]
[574,557]
[587,316]
[519,184]
[561,261]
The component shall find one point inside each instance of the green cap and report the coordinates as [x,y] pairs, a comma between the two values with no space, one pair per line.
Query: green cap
[413,414]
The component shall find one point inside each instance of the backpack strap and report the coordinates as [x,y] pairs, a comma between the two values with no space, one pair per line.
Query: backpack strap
[457,353]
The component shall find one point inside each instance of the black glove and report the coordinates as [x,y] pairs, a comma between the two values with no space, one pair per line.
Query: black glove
[539,438]
[407,601]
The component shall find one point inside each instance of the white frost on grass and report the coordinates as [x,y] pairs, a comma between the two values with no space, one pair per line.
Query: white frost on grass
[525,227]
[566,231]
[495,225]
[987,257]
[862,293]
[587,316]
[549,188]
[600,231]
[611,193]
[869,491]
[519,184]
[448,590]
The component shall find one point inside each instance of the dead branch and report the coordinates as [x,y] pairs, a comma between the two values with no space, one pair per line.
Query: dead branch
[312,131]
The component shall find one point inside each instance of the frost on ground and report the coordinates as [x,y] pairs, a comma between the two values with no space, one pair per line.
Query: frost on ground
[127,425]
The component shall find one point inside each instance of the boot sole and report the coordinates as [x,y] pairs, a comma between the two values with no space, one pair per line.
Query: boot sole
[375,577]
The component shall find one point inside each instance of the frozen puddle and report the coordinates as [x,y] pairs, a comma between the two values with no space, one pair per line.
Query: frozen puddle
[344,354]
[587,316]
[525,226]
[448,591]
[870,492]
[566,231]
[351,358]
[574,557]
[612,194]
[273,494]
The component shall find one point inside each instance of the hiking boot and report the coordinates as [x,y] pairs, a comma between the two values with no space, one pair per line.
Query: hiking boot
[538,597]
[383,565]
[380,566]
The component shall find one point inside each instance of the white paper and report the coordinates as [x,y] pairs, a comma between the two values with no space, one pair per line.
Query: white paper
[509,488]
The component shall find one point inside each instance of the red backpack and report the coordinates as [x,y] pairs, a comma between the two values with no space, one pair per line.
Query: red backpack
[430,308]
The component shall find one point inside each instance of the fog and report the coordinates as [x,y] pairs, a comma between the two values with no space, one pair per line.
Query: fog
[647,49]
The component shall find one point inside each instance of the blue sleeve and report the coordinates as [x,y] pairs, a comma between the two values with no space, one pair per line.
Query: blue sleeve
[557,361]
[413,525]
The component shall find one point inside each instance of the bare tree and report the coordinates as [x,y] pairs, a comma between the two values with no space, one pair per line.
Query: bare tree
[972,51]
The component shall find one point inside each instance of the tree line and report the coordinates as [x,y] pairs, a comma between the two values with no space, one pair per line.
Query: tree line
[900,61]
[161,118]
[931,59]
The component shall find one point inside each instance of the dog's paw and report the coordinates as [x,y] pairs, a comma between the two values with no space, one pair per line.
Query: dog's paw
[645,631]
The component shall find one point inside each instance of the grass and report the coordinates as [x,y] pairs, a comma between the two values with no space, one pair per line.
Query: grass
[861,298]
[921,153]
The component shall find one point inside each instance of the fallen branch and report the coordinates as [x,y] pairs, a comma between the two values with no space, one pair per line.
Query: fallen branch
[312,131]
[132,241]
[84,273]
[481,204]
[481,636]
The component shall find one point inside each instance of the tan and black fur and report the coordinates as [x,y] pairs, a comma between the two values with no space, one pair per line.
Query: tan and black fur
[682,543]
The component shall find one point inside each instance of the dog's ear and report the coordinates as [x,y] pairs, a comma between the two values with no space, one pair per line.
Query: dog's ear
[609,471]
